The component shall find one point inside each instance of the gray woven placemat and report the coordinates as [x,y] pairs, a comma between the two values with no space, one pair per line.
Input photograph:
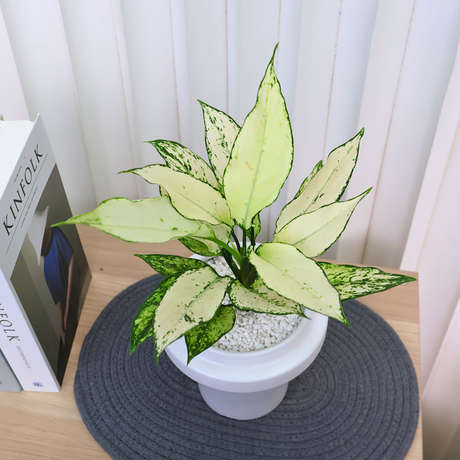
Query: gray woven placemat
[358,400]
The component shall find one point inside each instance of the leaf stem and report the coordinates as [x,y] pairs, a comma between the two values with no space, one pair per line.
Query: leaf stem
[231,250]
[238,247]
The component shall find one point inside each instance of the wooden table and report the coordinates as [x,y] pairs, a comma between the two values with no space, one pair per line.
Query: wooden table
[48,426]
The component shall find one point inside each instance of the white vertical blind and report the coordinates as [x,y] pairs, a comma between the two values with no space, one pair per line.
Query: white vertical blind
[441,397]
[402,99]
[12,99]
[37,38]
[94,55]
[208,63]
[108,75]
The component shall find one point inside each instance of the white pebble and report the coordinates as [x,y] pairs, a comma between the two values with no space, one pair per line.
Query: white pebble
[252,331]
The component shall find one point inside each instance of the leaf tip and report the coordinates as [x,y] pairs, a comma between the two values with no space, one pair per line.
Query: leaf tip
[345,321]
[274,52]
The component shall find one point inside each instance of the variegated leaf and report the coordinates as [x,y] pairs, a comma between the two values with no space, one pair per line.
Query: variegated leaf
[220,134]
[262,154]
[199,247]
[256,225]
[192,198]
[352,282]
[180,158]
[192,300]
[167,265]
[220,232]
[261,299]
[142,325]
[316,231]
[328,184]
[200,338]
[152,220]
[313,173]
[284,269]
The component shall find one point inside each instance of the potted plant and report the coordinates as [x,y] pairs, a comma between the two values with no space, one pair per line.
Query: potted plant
[202,205]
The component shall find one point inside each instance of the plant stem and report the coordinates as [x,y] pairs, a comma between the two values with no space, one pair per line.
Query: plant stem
[232,251]
[238,247]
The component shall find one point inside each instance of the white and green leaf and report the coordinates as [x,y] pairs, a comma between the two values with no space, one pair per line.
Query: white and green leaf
[327,185]
[220,232]
[220,134]
[316,231]
[181,159]
[285,270]
[167,264]
[261,299]
[192,300]
[256,225]
[191,197]
[142,325]
[200,338]
[262,154]
[352,282]
[199,247]
[308,179]
[152,220]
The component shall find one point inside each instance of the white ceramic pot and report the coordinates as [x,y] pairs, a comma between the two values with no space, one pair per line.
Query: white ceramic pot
[249,385]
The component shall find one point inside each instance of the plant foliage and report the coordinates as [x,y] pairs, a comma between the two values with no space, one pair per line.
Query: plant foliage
[202,204]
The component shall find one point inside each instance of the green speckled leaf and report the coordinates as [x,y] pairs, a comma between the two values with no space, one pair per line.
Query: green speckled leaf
[261,299]
[192,300]
[313,173]
[199,247]
[327,185]
[192,198]
[284,269]
[316,231]
[204,246]
[262,154]
[180,158]
[220,134]
[167,265]
[200,338]
[256,225]
[152,220]
[352,282]
[142,325]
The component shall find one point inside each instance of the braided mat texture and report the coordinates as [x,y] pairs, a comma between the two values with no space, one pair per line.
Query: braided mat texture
[358,400]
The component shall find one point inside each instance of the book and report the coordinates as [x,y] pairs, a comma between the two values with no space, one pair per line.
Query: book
[8,381]
[44,275]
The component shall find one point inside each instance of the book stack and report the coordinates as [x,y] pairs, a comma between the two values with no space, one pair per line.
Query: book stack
[44,275]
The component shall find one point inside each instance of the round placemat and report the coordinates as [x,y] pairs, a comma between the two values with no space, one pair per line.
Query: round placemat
[358,400]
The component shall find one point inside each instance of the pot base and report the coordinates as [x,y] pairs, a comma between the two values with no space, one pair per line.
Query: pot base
[243,406]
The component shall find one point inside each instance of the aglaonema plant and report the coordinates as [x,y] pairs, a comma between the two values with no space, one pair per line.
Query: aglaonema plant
[202,204]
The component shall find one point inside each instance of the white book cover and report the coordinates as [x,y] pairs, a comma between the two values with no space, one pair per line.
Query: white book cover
[8,381]
[44,275]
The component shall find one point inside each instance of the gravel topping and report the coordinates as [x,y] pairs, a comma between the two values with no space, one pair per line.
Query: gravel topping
[252,331]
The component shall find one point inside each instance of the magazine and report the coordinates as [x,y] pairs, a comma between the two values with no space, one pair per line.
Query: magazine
[44,275]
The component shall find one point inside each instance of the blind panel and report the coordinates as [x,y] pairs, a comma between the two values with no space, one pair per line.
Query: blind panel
[93,49]
[386,61]
[152,73]
[207,63]
[38,42]
[12,103]
[430,54]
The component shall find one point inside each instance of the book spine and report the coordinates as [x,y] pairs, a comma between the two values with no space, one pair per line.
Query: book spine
[8,381]
[20,345]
